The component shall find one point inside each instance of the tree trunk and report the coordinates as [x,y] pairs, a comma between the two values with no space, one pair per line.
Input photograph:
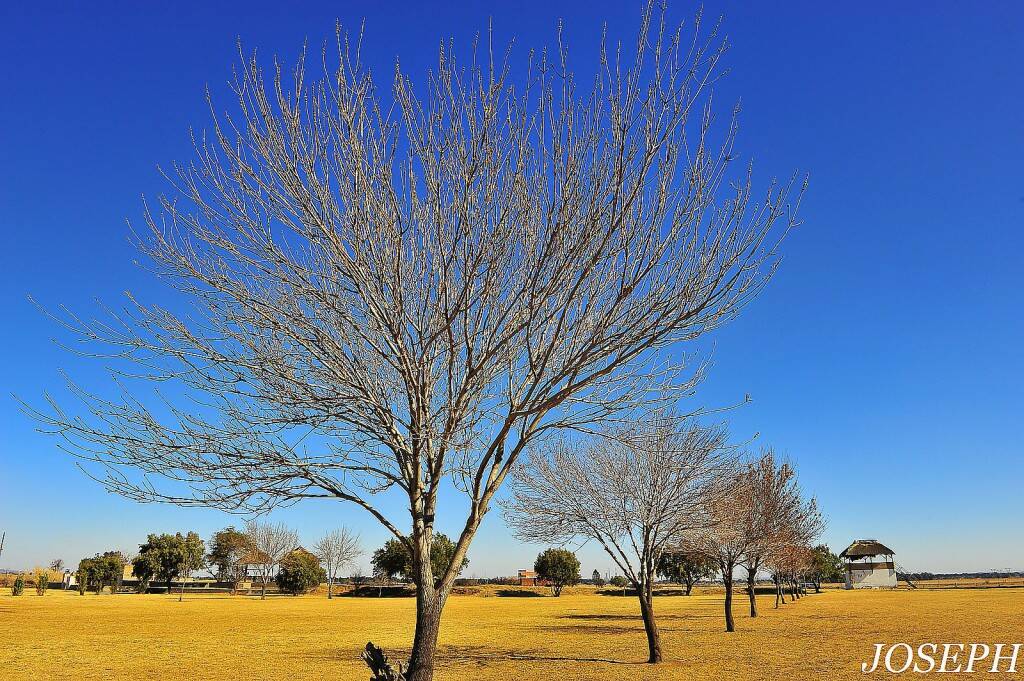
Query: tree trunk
[689,586]
[181,591]
[330,583]
[263,590]
[429,605]
[729,624]
[650,625]
[751,574]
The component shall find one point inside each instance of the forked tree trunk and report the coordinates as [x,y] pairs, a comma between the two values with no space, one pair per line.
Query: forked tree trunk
[650,625]
[751,574]
[730,625]
[689,585]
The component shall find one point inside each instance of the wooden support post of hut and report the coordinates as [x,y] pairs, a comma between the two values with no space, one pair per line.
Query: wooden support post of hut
[869,565]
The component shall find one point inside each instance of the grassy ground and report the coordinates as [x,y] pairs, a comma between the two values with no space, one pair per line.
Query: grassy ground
[484,637]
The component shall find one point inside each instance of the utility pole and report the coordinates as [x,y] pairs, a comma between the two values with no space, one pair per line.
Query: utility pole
[2,538]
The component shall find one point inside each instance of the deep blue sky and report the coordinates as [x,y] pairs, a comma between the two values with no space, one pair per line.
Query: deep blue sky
[885,359]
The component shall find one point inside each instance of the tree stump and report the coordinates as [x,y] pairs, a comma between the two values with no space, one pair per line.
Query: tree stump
[378,663]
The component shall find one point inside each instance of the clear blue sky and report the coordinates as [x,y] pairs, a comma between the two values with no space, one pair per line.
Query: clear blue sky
[885,359]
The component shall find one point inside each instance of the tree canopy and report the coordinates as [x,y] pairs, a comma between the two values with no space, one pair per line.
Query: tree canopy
[228,549]
[300,572]
[561,567]
[394,559]
[169,556]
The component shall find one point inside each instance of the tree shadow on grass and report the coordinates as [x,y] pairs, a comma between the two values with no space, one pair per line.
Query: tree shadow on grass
[479,656]
[515,593]
[637,618]
[482,656]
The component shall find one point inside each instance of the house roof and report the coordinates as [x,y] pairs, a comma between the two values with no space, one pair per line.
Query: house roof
[866,547]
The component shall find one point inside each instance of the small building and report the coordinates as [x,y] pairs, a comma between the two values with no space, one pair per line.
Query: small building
[869,565]
[530,578]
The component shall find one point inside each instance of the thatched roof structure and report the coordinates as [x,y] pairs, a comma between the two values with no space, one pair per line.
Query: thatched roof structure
[862,548]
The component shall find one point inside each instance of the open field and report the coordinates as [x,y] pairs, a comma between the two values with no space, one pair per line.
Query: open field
[67,636]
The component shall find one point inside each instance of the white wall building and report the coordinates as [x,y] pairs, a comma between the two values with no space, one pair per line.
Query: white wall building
[869,565]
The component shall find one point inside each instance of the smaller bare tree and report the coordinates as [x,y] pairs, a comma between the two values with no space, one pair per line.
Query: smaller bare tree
[776,508]
[336,550]
[635,491]
[269,543]
[727,538]
[791,554]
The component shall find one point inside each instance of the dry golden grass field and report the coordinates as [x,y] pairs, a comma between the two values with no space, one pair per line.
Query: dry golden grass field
[484,637]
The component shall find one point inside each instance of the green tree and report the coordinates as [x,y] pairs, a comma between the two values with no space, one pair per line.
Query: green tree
[145,567]
[83,576]
[19,586]
[41,576]
[685,567]
[619,582]
[596,579]
[110,567]
[300,572]
[173,556]
[825,566]
[228,550]
[558,566]
[103,569]
[193,558]
[395,560]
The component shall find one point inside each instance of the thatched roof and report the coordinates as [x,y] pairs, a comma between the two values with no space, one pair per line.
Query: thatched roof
[866,547]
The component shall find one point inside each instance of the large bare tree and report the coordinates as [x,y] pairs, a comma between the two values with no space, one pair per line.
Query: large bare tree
[394,293]
[634,491]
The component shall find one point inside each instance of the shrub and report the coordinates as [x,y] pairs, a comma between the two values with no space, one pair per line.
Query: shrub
[300,573]
[19,586]
[42,580]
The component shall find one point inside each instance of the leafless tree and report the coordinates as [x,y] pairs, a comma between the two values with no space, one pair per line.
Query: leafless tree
[635,491]
[336,550]
[791,555]
[776,504]
[389,295]
[269,543]
[727,538]
[762,516]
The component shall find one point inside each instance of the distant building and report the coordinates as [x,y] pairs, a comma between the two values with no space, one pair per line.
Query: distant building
[530,578]
[869,565]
